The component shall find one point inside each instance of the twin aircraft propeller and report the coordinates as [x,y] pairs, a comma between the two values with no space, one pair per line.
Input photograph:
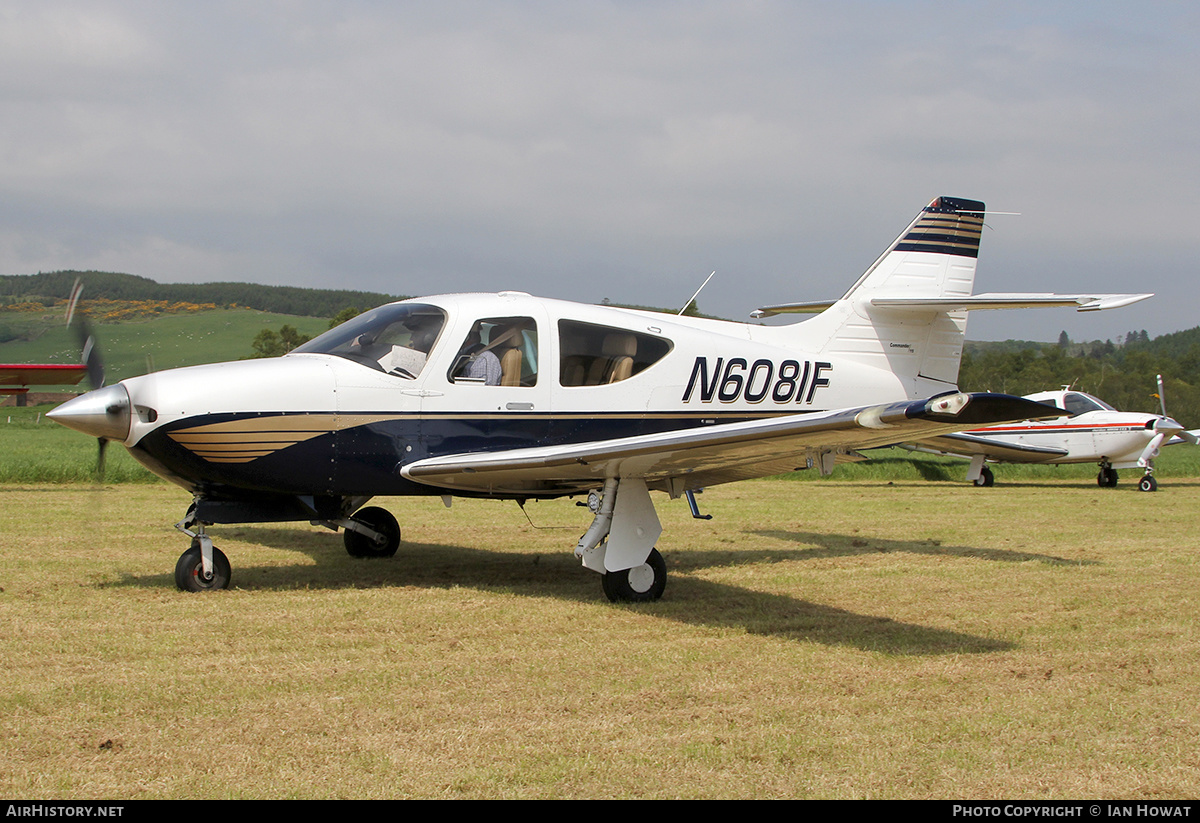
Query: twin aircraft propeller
[510,396]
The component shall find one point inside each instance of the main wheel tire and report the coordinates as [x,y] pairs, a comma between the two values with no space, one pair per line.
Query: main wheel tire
[189,571]
[381,520]
[641,584]
[1148,483]
[985,478]
[1107,478]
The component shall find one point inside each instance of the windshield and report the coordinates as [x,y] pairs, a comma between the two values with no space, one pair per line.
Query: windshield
[1079,403]
[395,338]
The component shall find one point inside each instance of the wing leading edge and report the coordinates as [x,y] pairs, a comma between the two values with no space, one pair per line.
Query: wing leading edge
[692,458]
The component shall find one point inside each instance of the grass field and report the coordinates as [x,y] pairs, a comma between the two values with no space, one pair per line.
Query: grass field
[857,639]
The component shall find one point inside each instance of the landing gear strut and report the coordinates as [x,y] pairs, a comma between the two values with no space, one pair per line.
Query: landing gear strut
[620,542]
[203,567]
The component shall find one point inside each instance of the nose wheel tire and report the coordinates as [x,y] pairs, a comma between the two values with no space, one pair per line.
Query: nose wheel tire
[641,584]
[189,571]
[1148,483]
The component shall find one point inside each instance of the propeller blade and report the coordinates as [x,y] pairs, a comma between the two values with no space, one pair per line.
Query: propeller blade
[1162,398]
[103,446]
[90,352]
[90,357]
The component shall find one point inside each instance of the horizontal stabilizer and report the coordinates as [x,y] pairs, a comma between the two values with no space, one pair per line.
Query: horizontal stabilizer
[975,302]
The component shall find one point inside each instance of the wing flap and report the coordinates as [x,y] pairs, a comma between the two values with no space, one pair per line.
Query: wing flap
[695,457]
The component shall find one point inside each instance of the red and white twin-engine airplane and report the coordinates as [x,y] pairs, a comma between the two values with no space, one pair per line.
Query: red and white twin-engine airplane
[511,396]
[1089,431]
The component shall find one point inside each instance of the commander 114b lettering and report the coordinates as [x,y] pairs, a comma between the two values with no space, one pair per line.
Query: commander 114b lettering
[515,397]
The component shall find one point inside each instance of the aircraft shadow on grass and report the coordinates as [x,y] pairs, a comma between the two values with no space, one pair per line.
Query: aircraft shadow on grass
[844,545]
[698,602]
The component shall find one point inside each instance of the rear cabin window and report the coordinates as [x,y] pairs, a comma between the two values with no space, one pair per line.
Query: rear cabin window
[592,355]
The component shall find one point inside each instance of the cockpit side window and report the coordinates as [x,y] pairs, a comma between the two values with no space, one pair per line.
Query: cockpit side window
[498,351]
[592,355]
[1076,404]
[396,338]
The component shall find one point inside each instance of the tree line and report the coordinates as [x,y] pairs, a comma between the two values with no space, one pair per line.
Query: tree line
[1123,374]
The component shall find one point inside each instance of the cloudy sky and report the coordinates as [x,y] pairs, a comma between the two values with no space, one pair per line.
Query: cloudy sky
[622,150]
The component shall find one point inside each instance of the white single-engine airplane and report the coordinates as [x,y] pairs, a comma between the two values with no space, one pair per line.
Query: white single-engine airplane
[510,396]
[1090,431]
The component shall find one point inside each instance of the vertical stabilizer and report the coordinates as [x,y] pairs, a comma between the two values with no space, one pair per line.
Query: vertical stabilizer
[933,258]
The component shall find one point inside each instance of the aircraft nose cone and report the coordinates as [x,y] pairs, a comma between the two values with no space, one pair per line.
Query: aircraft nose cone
[101,413]
[1168,424]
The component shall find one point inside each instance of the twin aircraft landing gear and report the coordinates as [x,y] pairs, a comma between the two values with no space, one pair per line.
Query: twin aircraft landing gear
[1107,477]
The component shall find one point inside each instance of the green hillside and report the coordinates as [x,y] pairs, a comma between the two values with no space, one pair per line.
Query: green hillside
[48,287]
[164,342]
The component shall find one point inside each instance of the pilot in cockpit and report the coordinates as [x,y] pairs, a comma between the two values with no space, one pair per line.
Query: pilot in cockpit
[401,348]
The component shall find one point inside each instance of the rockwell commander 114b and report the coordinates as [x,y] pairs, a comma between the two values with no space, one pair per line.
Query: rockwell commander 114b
[516,397]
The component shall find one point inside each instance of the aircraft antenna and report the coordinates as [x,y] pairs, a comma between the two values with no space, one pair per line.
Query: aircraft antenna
[694,296]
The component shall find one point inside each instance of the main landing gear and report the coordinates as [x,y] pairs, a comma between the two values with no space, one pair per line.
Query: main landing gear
[641,584]
[620,542]
[371,532]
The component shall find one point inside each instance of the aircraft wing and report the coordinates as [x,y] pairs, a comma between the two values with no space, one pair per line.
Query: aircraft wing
[679,460]
[21,374]
[967,445]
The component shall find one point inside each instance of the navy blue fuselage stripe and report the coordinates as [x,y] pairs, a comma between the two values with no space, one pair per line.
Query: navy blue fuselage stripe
[365,459]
